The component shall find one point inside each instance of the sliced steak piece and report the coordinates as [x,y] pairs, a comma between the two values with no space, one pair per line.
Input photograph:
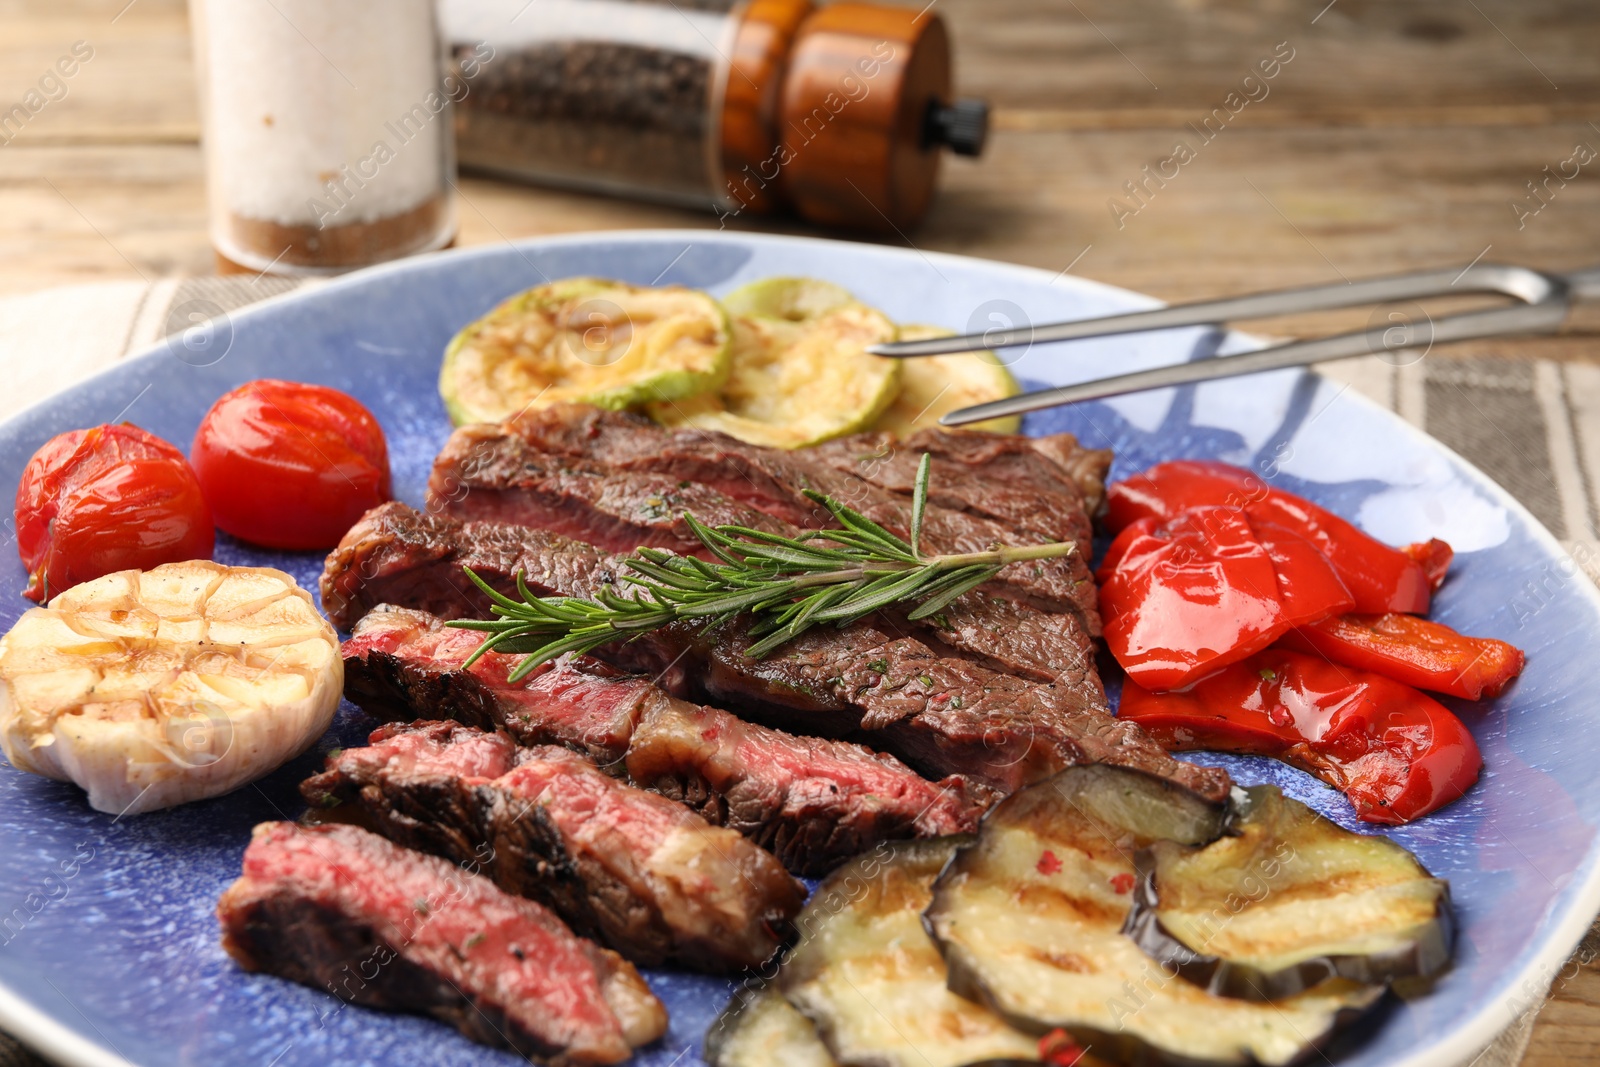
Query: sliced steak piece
[942,715]
[397,555]
[1017,481]
[402,665]
[341,909]
[813,802]
[939,714]
[520,471]
[965,719]
[631,869]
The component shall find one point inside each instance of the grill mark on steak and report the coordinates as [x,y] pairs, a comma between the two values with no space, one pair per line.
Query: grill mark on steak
[322,905]
[528,470]
[813,802]
[1003,477]
[402,665]
[964,719]
[631,869]
[397,555]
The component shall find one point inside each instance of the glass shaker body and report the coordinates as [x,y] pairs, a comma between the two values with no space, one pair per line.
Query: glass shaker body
[327,132]
[619,96]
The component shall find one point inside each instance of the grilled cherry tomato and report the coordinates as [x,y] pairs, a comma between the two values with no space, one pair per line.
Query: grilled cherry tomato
[292,466]
[1428,655]
[1396,753]
[1379,577]
[1183,597]
[107,499]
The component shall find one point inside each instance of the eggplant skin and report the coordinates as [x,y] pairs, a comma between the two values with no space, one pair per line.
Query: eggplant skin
[1029,920]
[759,1028]
[872,983]
[1288,900]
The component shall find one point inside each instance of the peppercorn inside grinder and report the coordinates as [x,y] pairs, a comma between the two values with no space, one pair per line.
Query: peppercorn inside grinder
[838,113]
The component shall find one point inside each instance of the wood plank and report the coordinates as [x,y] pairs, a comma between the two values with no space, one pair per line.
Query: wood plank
[1567,1030]
[1148,57]
[138,85]
[1256,208]
[1044,64]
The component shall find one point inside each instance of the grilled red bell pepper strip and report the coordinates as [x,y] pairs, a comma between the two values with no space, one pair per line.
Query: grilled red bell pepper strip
[1433,556]
[1184,597]
[1308,587]
[1396,753]
[1428,655]
[1379,577]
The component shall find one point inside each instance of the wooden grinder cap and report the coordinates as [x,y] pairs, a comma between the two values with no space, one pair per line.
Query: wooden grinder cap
[864,113]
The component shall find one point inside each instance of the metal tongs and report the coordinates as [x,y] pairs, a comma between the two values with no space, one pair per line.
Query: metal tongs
[1545,299]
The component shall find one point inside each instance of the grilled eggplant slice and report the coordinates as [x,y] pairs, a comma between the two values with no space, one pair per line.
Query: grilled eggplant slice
[1030,922]
[759,1028]
[931,386]
[587,340]
[1288,900]
[866,974]
[799,371]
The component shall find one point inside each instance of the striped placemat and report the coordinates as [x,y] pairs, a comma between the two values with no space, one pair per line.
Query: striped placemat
[1532,425]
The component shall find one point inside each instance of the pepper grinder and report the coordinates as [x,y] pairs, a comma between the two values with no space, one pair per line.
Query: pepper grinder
[839,113]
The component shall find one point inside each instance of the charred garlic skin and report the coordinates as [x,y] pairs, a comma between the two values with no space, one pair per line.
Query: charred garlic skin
[160,687]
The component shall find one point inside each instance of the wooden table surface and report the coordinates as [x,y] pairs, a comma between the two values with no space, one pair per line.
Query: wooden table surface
[1400,135]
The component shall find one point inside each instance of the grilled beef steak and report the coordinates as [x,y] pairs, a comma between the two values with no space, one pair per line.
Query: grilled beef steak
[341,909]
[553,468]
[1019,482]
[941,713]
[811,801]
[637,872]
[397,555]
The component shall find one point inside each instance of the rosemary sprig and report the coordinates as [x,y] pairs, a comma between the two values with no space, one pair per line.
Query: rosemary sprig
[789,584]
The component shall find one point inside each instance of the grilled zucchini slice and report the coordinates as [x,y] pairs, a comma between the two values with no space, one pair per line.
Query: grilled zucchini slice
[759,1028]
[1287,900]
[799,372]
[1030,921]
[867,975]
[931,386]
[589,341]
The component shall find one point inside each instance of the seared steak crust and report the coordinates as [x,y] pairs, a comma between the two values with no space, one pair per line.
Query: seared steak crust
[532,469]
[941,713]
[398,555]
[631,869]
[811,801]
[341,909]
[1017,481]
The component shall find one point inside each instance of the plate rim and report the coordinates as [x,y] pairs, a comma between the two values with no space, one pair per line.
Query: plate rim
[56,1041]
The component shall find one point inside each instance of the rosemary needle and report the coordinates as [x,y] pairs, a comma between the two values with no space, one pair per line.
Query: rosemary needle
[787,584]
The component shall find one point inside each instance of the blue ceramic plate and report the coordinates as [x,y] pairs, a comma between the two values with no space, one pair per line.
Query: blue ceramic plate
[108,943]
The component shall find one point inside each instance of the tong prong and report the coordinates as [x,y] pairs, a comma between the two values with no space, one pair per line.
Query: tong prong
[1524,284]
[1544,316]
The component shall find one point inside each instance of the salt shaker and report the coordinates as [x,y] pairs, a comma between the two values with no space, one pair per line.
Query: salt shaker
[327,132]
[839,112]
